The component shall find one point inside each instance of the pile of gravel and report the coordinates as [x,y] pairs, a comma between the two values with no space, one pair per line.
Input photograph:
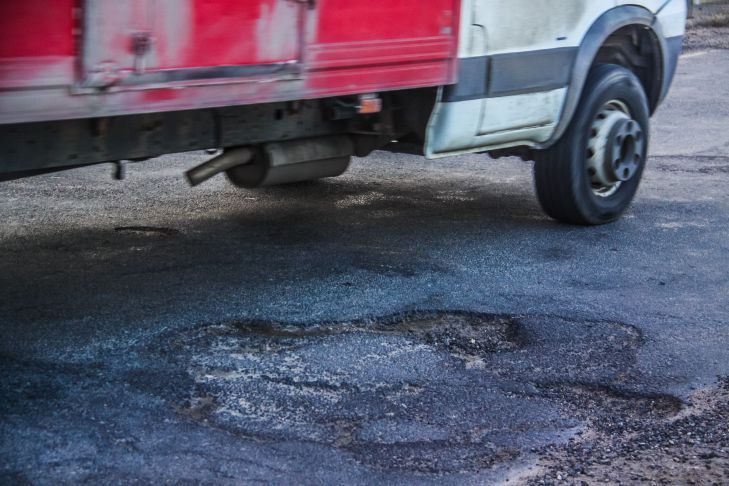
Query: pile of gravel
[690,447]
[709,28]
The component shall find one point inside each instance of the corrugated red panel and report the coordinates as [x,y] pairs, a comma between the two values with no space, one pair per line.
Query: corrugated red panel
[306,49]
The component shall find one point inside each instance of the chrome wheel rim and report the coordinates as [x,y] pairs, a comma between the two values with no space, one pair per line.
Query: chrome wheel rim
[615,148]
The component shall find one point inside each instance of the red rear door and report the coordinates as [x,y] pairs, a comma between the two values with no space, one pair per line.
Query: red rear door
[137,42]
[62,59]
[383,42]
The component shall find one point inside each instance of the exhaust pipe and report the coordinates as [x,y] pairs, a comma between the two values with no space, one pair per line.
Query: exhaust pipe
[294,161]
[225,161]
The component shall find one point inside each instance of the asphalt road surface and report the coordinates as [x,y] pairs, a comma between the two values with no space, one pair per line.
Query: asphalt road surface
[412,321]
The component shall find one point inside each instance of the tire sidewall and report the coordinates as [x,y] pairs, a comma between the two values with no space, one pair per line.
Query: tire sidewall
[606,83]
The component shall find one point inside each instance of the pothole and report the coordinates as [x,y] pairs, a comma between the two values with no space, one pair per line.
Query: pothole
[395,390]
[689,447]
[620,410]
[461,333]
[147,230]
[455,332]
[391,390]
[711,170]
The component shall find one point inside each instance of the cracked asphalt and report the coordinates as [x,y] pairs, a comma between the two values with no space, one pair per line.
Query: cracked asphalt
[411,321]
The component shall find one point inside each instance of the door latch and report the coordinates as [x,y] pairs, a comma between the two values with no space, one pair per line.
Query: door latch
[310,4]
[141,45]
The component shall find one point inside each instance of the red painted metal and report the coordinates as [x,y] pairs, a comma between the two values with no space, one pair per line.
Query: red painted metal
[380,20]
[230,32]
[33,28]
[36,43]
[86,58]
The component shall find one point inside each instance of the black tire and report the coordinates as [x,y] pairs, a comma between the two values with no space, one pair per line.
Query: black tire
[563,185]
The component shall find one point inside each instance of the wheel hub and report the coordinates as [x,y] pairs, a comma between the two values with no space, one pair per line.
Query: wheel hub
[615,149]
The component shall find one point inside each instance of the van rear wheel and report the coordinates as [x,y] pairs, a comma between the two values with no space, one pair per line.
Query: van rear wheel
[590,176]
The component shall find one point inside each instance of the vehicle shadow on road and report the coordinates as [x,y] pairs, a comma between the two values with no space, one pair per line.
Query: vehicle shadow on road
[313,237]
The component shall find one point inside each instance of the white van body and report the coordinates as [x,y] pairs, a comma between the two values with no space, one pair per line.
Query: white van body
[523,63]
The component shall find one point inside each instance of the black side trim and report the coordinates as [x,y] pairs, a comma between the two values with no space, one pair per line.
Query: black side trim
[472,83]
[511,74]
[531,71]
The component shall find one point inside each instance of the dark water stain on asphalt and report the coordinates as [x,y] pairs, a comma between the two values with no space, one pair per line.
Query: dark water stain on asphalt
[424,392]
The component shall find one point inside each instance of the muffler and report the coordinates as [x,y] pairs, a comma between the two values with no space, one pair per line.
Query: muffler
[227,160]
[294,161]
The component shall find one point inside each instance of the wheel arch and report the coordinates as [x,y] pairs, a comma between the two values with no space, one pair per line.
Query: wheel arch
[599,44]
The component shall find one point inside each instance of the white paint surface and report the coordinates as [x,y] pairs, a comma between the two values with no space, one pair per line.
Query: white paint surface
[469,126]
[490,27]
[672,18]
